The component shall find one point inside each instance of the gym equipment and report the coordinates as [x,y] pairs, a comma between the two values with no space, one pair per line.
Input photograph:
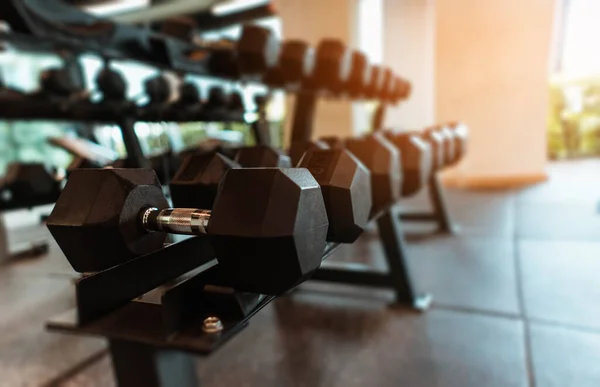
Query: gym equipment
[461,139]
[449,147]
[27,185]
[416,161]
[436,141]
[197,181]
[298,149]
[346,186]
[295,63]
[262,156]
[344,181]
[333,66]
[267,226]
[383,161]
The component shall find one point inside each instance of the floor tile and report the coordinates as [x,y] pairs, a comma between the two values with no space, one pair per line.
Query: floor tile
[560,281]
[564,357]
[302,341]
[565,221]
[467,272]
[29,354]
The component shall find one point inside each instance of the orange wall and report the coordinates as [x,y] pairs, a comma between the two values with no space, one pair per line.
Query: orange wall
[492,61]
[409,48]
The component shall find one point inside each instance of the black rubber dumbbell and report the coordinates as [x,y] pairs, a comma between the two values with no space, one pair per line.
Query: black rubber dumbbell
[448,141]
[346,186]
[344,181]
[267,227]
[261,156]
[295,64]
[461,140]
[416,160]
[298,148]
[382,159]
[251,56]
[196,182]
[333,66]
[435,139]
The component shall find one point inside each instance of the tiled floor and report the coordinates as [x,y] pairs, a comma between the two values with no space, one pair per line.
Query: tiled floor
[515,305]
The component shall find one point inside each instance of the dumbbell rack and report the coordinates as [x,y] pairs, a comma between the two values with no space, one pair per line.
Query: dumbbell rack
[439,213]
[388,223]
[152,342]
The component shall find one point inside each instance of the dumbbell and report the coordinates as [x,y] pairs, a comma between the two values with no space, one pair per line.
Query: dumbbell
[416,160]
[256,51]
[298,148]
[296,63]
[261,156]
[461,139]
[160,91]
[333,66]
[449,147]
[382,159]
[435,139]
[267,226]
[346,185]
[57,82]
[344,181]
[250,57]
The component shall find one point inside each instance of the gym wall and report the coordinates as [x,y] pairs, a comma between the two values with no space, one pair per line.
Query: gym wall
[492,69]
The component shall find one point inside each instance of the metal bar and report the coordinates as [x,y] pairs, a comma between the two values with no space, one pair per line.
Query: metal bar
[135,154]
[419,217]
[438,202]
[379,117]
[139,365]
[105,291]
[352,274]
[392,238]
[304,117]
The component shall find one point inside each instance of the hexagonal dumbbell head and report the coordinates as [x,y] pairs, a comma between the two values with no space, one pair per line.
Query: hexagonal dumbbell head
[360,75]
[262,156]
[406,89]
[333,65]
[461,139]
[346,186]
[449,149]
[416,161]
[388,84]
[298,148]
[257,50]
[95,220]
[196,182]
[436,142]
[376,82]
[333,142]
[297,61]
[383,161]
[268,228]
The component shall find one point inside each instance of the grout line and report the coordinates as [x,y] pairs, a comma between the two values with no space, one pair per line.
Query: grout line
[476,311]
[529,366]
[76,369]
[558,324]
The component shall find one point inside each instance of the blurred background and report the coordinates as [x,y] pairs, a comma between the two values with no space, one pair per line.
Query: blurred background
[522,74]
